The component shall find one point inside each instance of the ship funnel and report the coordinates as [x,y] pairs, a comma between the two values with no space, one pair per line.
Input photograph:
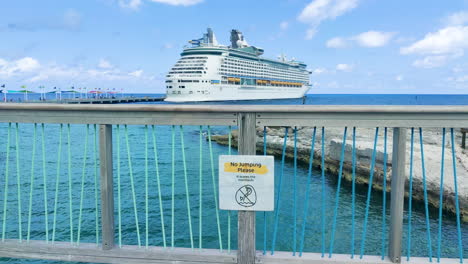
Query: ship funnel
[237,40]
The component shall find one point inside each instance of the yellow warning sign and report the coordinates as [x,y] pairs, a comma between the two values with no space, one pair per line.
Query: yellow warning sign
[244,167]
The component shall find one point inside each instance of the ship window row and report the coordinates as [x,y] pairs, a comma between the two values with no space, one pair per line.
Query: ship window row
[189,65]
[188,68]
[191,58]
[189,81]
[191,61]
[177,72]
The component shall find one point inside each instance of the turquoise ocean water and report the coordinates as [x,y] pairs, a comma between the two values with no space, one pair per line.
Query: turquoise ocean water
[191,134]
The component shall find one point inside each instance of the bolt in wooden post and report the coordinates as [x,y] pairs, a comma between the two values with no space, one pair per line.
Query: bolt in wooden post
[107,191]
[246,219]
[397,194]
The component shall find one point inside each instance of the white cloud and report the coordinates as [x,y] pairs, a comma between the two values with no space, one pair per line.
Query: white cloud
[336,43]
[399,78]
[104,64]
[344,67]
[318,11]
[373,39]
[449,40]
[23,65]
[284,25]
[136,73]
[178,2]
[72,19]
[130,4]
[310,33]
[430,61]
[319,71]
[457,19]
[135,4]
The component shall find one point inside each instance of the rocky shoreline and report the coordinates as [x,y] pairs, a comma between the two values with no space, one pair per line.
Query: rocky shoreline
[432,139]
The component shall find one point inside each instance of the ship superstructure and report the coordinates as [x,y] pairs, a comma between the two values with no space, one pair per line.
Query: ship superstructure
[208,71]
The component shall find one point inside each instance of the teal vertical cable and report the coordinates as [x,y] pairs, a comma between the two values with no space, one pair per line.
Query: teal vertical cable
[31,185]
[18,183]
[215,195]
[5,193]
[119,201]
[57,181]
[96,198]
[264,213]
[173,185]
[338,188]
[44,183]
[146,187]
[353,194]
[158,182]
[410,196]
[457,206]
[441,194]
[135,211]
[322,201]
[295,192]
[229,211]
[70,197]
[200,192]
[369,191]
[307,194]
[426,206]
[83,174]
[278,197]
[187,194]
[384,196]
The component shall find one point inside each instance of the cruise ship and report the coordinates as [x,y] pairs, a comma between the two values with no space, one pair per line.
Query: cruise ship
[208,71]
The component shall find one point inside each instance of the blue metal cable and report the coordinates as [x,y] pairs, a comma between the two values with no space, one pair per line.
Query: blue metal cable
[70,189]
[322,201]
[18,183]
[200,191]
[410,196]
[369,190]
[384,196]
[44,183]
[307,194]
[132,186]
[295,192]
[264,213]
[278,198]
[173,185]
[57,179]
[146,189]
[31,185]
[337,198]
[441,194]
[158,182]
[85,156]
[187,194]
[353,198]
[5,192]
[457,206]
[215,195]
[426,205]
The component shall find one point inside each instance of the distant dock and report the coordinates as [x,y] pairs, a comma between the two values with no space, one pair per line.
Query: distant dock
[115,100]
[121,100]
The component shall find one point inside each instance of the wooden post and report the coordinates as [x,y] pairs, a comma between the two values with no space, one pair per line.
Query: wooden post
[246,219]
[464,130]
[107,185]
[397,194]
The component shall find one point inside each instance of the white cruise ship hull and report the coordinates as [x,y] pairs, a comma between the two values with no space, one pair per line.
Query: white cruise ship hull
[226,93]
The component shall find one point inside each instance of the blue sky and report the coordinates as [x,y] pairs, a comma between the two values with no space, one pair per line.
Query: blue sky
[353,46]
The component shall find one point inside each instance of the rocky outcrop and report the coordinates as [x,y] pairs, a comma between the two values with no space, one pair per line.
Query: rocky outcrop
[364,147]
